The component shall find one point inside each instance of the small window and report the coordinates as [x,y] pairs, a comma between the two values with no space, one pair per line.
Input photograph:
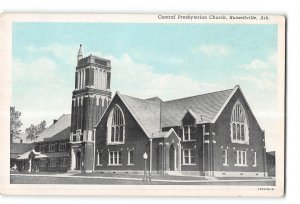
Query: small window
[52,162]
[51,147]
[130,157]
[114,158]
[241,158]
[186,133]
[62,147]
[189,156]
[225,157]
[189,133]
[254,159]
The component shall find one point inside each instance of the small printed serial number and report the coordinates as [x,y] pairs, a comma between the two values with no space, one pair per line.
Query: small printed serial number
[266,189]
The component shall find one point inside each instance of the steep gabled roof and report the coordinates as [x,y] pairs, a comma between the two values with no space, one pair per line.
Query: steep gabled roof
[165,134]
[208,105]
[152,115]
[198,117]
[58,129]
[146,112]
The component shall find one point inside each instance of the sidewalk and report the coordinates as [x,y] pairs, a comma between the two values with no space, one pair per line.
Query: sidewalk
[139,177]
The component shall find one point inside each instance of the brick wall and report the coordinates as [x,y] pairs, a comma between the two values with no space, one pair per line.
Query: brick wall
[135,139]
[223,138]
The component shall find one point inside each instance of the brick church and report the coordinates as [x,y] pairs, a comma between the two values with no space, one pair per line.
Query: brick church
[214,134]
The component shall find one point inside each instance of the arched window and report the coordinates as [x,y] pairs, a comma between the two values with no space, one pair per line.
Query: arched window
[239,126]
[116,126]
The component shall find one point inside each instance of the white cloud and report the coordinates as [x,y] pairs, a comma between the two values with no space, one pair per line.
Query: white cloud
[260,73]
[258,81]
[59,51]
[36,70]
[140,80]
[214,50]
[257,64]
[175,61]
[42,94]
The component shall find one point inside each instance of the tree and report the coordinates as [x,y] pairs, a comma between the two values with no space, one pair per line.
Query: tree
[15,123]
[34,130]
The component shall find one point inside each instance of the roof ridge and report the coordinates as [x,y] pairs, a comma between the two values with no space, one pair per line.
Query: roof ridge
[132,96]
[54,123]
[198,95]
[144,100]
[51,126]
[133,114]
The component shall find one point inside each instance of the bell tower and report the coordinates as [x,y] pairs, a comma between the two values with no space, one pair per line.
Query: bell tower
[90,98]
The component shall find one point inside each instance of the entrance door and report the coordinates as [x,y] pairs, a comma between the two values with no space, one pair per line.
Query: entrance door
[172,158]
[78,155]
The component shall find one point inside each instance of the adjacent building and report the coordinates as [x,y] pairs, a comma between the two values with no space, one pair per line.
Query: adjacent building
[271,163]
[17,149]
[51,152]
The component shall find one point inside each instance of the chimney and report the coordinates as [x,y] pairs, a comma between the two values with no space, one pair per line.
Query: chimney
[54,121]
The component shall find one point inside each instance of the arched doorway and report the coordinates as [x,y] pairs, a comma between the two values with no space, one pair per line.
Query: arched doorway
[77,159]
[172,156]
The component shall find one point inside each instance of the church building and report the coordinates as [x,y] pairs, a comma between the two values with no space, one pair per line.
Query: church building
[214,134]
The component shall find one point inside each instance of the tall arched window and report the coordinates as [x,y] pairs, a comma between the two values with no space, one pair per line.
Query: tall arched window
[239,126]
[116,126]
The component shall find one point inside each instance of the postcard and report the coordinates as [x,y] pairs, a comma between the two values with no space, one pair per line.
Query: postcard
[142,104]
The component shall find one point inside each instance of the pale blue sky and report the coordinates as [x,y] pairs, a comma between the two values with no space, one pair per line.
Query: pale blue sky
[167,60]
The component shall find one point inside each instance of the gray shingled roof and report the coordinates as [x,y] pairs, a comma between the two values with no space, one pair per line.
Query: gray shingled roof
[60,129]
[62,135]
[164,134]
[150,113]
[206,105]
[147,112]
[17,149]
